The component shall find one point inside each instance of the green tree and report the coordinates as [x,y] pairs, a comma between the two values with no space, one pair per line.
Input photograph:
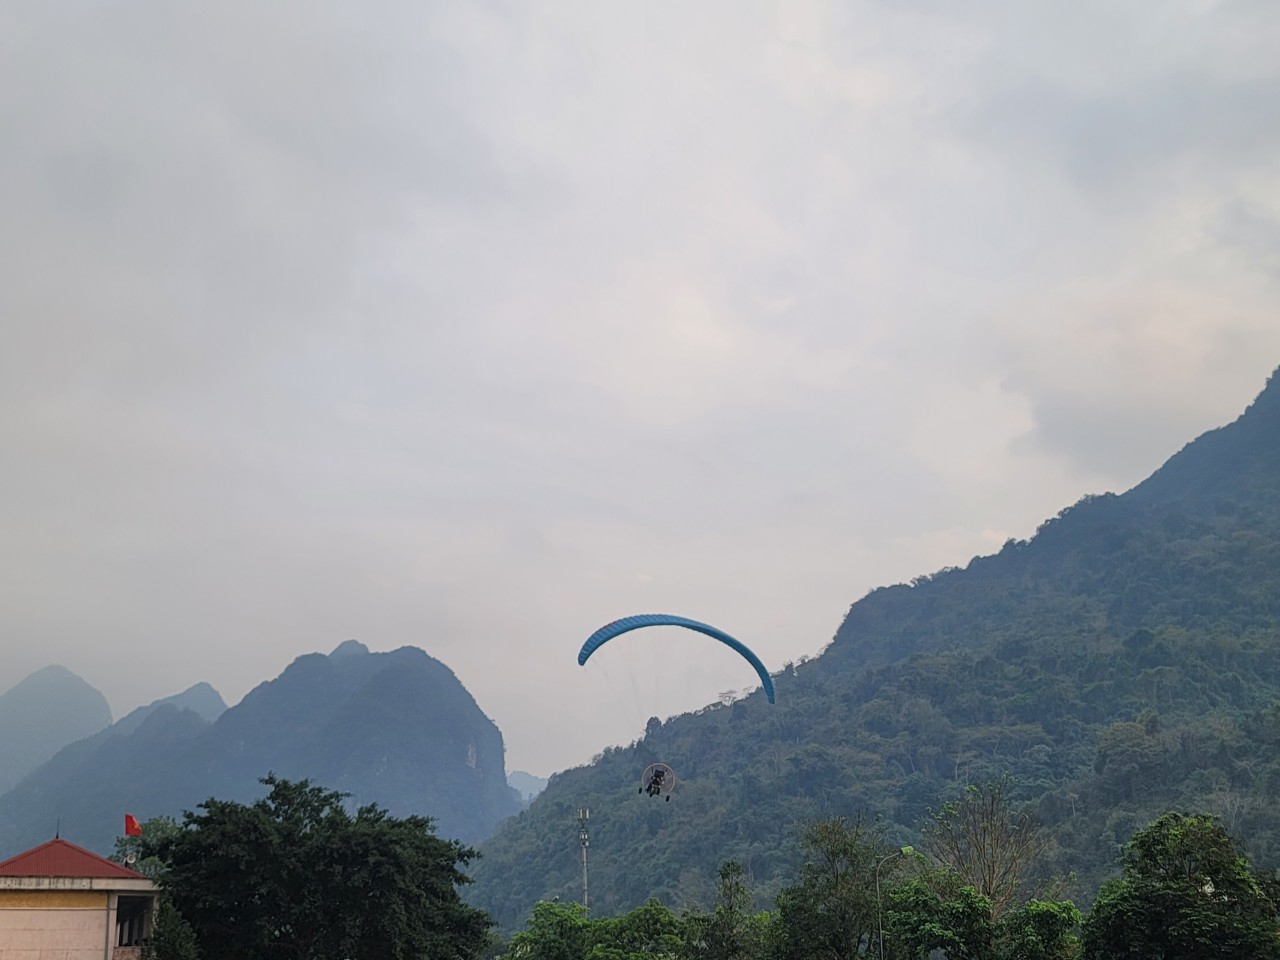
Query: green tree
[295,875]
[1186,892]
[171,936]
[563,931]
[1040,930]
[938,911]
[554,931]
[137,852]
[650,930]
[731,931]
[832,913]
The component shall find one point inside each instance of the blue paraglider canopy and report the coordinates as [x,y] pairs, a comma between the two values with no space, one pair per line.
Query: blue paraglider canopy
[627,624]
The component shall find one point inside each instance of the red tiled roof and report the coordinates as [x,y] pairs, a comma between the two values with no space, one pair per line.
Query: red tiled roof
[58,858]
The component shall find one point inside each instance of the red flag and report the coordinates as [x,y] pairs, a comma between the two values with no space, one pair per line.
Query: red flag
[132,828]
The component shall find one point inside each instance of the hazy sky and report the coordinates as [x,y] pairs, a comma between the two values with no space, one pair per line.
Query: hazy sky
[473,325]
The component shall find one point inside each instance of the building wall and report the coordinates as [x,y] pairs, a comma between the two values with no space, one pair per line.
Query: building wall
[54,924]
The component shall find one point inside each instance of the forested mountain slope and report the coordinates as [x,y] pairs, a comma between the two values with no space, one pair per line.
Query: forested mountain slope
[1187,545]
[1124,661]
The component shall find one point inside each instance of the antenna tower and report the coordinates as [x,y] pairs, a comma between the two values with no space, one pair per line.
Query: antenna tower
[584,836]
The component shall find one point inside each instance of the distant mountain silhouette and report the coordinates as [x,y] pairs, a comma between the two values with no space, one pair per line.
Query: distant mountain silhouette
[349,648]
[1123,662]
[201,699]
[394,728]
[526,784]
[41,715]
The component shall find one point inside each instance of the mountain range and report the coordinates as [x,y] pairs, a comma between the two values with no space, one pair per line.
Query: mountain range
[526,784]
[1122,662]
[394,728]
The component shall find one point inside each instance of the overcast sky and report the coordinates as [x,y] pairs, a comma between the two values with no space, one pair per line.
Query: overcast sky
[473,326]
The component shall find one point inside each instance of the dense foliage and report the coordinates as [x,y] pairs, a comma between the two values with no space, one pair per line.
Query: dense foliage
[1187,894]
[1123,662]
[171,936]
[296,875]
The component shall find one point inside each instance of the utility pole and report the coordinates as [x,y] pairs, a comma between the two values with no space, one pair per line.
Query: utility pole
[584,835]
[904,852]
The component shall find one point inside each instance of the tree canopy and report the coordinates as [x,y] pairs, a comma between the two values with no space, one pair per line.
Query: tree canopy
[296,875]
[1187,891]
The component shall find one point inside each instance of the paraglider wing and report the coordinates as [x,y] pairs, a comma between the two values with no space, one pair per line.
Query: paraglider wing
[627,624]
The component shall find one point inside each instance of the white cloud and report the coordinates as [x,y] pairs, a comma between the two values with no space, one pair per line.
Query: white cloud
[475,326]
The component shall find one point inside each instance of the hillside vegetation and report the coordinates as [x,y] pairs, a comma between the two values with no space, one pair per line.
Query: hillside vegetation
[1123,662]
